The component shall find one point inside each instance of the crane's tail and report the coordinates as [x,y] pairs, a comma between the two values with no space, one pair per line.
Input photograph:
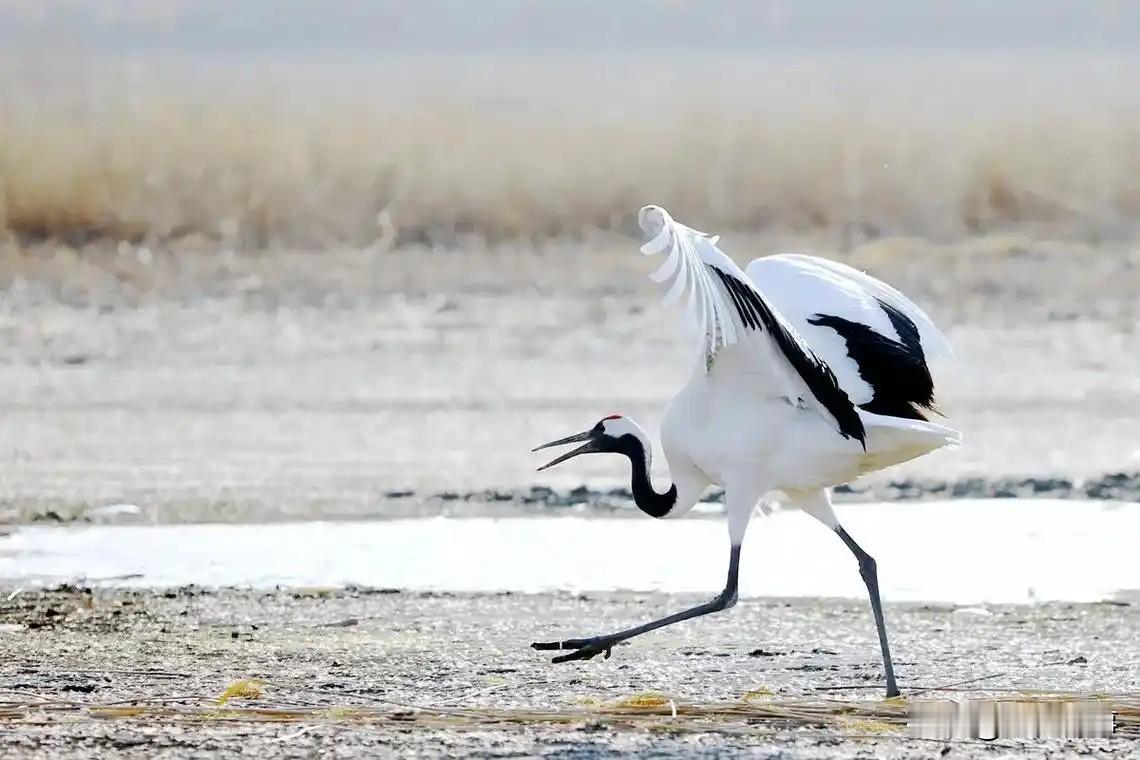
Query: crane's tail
[894,440]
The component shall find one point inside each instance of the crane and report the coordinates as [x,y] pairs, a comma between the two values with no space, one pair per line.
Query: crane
[809,373]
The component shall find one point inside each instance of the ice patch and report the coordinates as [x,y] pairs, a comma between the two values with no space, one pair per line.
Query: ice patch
[965,552]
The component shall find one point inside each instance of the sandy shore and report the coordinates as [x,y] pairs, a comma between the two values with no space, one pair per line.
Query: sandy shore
[380,651]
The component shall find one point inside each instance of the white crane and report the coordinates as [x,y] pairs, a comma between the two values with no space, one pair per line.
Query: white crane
[809,374]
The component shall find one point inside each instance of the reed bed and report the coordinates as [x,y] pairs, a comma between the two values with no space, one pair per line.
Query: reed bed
[455,151]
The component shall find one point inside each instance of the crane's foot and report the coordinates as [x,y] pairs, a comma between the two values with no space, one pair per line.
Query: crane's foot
[581,649]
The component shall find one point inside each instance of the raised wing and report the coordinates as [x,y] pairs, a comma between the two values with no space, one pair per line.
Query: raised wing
[726,308]
[872,336]
[934,343]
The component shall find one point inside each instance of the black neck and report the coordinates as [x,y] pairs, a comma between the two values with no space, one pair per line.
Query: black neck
[648,501]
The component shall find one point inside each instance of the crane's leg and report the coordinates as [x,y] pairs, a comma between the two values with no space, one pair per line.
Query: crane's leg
[869,571]
[584,649]
[740,503]
[818,505]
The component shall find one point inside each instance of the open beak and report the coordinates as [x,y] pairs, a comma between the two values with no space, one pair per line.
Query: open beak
[590,446]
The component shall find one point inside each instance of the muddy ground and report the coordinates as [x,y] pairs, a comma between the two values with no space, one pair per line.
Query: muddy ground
[381,651]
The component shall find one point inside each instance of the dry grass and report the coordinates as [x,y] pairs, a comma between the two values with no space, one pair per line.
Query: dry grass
[441,152]
[652,712]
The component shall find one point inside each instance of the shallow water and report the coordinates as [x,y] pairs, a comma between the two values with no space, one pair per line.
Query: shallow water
[1015,550]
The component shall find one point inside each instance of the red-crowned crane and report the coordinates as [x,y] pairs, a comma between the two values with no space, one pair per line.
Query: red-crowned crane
[809,374]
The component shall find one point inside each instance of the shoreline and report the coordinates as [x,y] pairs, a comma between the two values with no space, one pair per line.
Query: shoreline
[542,501]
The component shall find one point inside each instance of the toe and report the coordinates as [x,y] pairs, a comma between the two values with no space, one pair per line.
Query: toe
[542,645]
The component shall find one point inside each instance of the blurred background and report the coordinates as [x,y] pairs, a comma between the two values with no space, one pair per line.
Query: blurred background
[284,259]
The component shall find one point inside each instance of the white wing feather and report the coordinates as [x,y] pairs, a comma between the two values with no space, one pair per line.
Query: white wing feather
[802,287]
[709,311]
[843,291]
[716,319]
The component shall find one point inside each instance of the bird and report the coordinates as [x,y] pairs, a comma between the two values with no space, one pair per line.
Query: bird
[808,374]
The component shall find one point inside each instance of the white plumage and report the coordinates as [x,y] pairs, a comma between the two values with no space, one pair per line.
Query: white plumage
[808,374]
[799,286]
[796,286]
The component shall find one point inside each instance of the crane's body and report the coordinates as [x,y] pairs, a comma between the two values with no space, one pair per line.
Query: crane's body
[808,374]
[718,428]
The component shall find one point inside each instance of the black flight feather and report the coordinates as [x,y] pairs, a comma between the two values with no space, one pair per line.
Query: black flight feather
[820,380]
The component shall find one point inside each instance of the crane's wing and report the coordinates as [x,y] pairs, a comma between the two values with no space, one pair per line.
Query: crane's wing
[933,342]
[728,309]
[875,339]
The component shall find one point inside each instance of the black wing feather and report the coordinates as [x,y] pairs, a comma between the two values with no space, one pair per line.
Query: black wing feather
[820,380]
[900,381]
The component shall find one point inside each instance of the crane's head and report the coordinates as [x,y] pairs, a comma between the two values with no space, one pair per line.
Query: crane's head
[614,434]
